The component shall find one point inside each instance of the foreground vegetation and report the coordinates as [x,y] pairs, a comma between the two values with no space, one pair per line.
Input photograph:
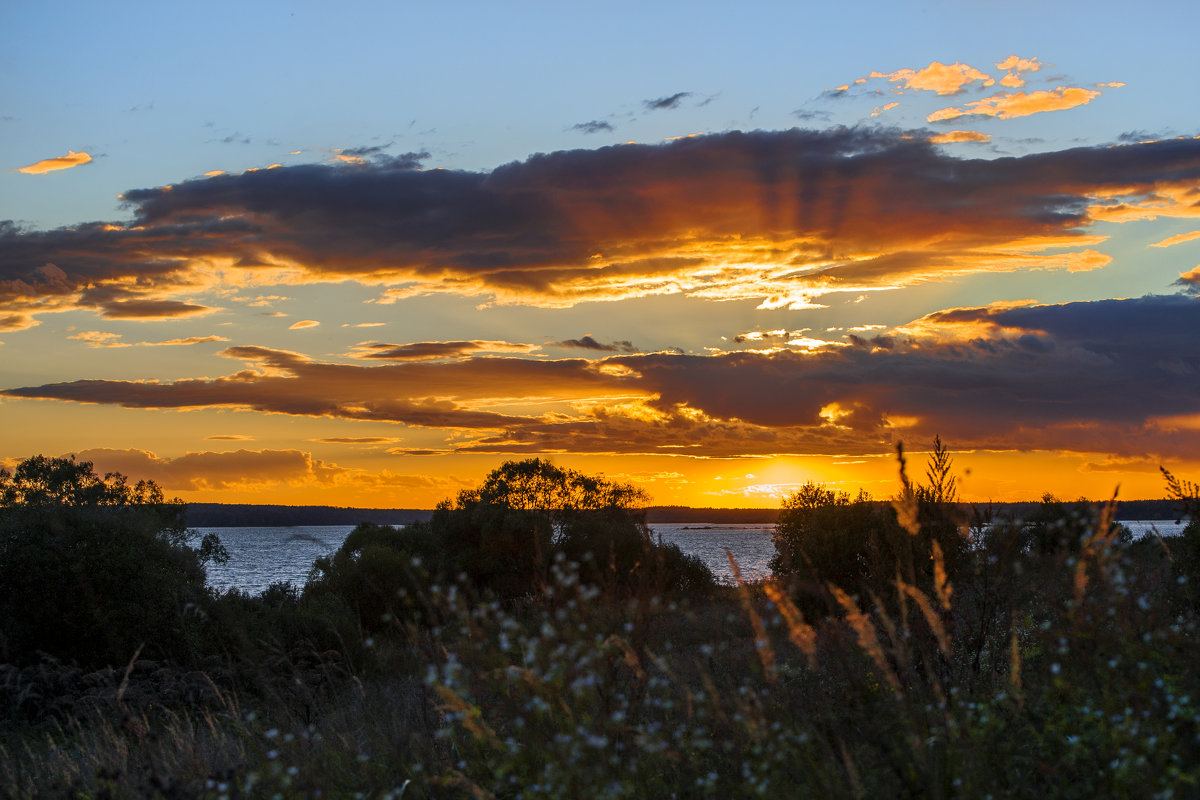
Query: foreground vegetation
[532,641]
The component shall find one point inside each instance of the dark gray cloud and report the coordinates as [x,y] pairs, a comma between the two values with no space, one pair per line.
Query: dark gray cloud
[426,351]
[590,343]
[1129,137]
[1190,282]
[150,309]
[806,115]
[1115,376]
[376,157]
[882,342]
[365,151]
[663,103]
[868,207]
[595,126]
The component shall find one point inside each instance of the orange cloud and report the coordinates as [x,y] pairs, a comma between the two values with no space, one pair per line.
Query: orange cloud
[1117,464]
[107,339]
[99,339]
[217,471]
[152,309]
[1016,68]
[1020,104]
[429,351]
[942,78]
[779,218]
[16,322]
[1178,199]
[881,109]
[188,340]
[304,323]
[1091,376]
[960,136]
[1017,64]
[262,301]
[71,159]
[1177,239]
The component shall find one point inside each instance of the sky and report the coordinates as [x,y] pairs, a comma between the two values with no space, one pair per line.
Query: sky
[360,255]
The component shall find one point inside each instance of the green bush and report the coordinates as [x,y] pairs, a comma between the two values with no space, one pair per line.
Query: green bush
[93,570]
[861,546]
[379,573]
[823,536]
[502,540]
[1185,548]
[505,534]
[248,629]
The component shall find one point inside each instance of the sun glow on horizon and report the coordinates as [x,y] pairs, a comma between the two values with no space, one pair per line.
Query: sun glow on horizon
[723,281]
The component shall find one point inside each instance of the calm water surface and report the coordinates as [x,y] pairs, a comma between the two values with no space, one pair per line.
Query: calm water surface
[259,557]
[262,556]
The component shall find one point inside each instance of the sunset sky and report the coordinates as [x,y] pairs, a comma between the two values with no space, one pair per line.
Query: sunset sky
[362,253]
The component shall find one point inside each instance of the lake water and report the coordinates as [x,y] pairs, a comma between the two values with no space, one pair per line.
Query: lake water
[259,557]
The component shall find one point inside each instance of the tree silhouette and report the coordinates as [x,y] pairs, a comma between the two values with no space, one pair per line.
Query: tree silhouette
[93,569]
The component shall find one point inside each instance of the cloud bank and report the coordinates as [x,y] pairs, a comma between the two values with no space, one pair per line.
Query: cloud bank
[1114,376]
[779,218]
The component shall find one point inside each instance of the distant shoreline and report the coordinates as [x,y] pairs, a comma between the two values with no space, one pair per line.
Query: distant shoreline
[218,515]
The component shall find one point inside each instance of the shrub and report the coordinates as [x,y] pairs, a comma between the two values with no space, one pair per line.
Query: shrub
[93,570]
[503,539]
[823,536]
[826,538]
[378,572]
[505,534]
[1185,548]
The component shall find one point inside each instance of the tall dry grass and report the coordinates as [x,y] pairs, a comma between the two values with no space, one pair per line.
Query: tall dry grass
[1066,674]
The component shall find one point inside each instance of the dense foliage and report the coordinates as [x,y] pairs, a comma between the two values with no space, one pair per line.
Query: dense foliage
[501,540]
[1048,657]
[824,538]
[95,570]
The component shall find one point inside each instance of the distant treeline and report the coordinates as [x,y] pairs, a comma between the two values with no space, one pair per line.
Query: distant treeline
[236,515]
[239,515]
[1126,509]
